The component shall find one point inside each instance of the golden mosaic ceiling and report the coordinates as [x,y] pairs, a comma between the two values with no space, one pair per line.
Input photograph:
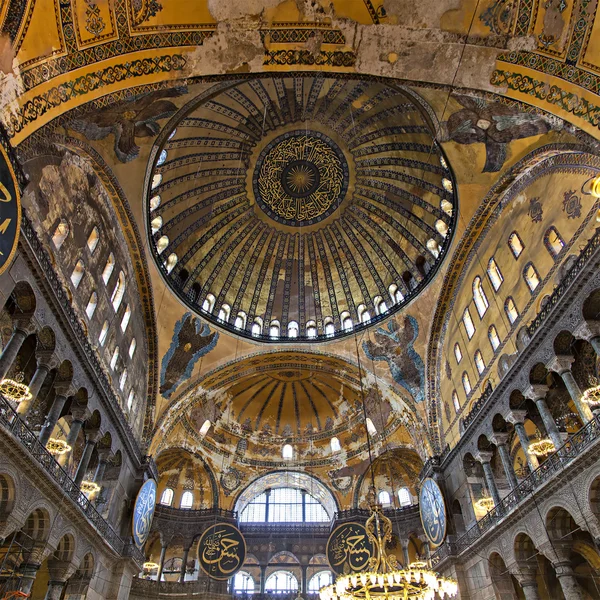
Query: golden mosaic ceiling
[277,206]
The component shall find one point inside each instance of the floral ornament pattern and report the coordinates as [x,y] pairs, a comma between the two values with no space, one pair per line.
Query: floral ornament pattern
[498,16]
[394,345]
[572,204]
[536,211]
[137,118]
[492,124]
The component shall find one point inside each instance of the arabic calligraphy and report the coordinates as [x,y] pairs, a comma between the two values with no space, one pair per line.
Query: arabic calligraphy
[10,211]
[143,512]
[433,511]
[300,177]
[221,551]
[349,549]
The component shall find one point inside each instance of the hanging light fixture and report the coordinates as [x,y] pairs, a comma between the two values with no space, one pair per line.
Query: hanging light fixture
[486,503]
[385,579]
[57,447]
[89,487]
[542,446]
[15,389]
[150,566]
[591,397]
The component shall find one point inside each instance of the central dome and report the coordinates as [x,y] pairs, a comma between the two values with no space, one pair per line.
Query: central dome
[299,208]
[300,178]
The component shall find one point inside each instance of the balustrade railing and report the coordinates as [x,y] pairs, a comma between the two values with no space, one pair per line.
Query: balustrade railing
[12,422]
[555,463]
[285,528]
[169,512]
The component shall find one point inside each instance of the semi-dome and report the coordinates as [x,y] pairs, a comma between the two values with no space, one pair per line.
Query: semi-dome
[299,208]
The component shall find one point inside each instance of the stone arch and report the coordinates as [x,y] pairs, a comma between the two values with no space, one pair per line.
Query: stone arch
[563,343]
[502,580]
[65,550]
[591,306]
[594,496]
[458,517]
[7,495]
[560,523]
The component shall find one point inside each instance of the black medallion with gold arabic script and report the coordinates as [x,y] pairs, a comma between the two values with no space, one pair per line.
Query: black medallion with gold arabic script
[10,210]
[221,551]
[300,178]
[349,549]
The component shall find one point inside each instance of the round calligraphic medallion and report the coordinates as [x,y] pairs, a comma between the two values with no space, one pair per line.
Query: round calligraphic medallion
[433,511]
[300,178]
[143,512]
[221,551]
[10,211]
[349,549]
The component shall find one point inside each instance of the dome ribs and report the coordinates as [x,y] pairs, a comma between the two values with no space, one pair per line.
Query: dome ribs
[287,281]
[275,279]
[312,404]
[314,274]
[333,304]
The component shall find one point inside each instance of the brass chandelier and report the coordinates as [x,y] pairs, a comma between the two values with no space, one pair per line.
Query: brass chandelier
[385,578]
[15,389]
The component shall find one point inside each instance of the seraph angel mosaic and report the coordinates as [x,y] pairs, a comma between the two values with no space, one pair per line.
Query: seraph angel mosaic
[192,339]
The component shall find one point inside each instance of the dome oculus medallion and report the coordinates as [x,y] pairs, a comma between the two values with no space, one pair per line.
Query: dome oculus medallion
[299,208]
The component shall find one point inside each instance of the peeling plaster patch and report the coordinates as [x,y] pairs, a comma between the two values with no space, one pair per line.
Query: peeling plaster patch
[232,47]
[224,10]
[421,14]
[11,88]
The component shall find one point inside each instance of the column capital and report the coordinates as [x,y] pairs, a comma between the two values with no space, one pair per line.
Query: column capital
[499,438]
[92,436]
[587,330]
[103,453]
[47,359]
[79,413]
[516,416]
[24,323]
[560,364]
[64,388]
[535,391]
[484,456]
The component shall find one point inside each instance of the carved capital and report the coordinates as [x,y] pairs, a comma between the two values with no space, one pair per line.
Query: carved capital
[560,364]
[47,358]
[499,439]
[92,436]
[516,416]
[484,456]
[535,391]
[79,413]
[587,330]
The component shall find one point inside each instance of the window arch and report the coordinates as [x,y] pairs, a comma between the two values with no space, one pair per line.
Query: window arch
[441,228]
[287,452]
[511,310]
[532,279]
[384,497]
[154,202]
[319,580]
[433,247]
[554,243]
[329,327]
[515,244]
[162,244]
[347,323]
[93,239]
[479,297]
[224,312]
[335,445]
[243,583]
[468,323]
[92,304]
[281,582]
[118,291]
[156,180]
[380,305]
[109,267]
[123,380]
[455,402]
[494,274]
[404,496]
[240,320]
[447,207]
[479,362]
[493,337]
[130,399]
[77,274]
[132,347]
[293,329]
[311,329]
[126,318]
[167,497]
[156,224]
[187,500]
[457,353]
[284,505]
[395,293]
[363,314]
[205,427]
[209,303]
[466,383]
[162,157]
[103,333]
[171,262]
[257,327]
[115,358]
[60,234]
[274,329]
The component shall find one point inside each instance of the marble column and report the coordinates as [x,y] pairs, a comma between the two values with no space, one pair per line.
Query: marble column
[263,578]
[186,552]
[103,455]
[55,590]
[52,417]
[517,418]
[29,573]
[595,343]
[79,414]
[92,440]
[11,350]
[44,366]
[526,577]
[304,568]
[568,582]
[161,562]
[485,457]
[405,555]
[501,440]
[562,366]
